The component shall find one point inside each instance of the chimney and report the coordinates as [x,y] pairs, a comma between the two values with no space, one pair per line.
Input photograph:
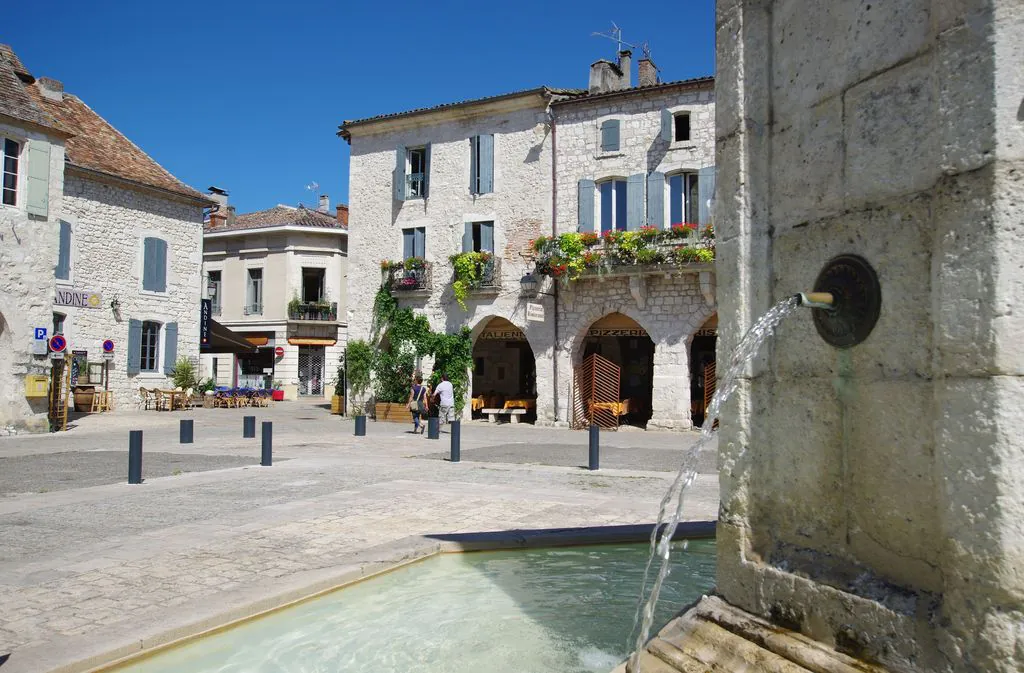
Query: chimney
[51,89]
[342,215]
[219,213]
[625,69]
[647,72]
[325,203]
[231,215]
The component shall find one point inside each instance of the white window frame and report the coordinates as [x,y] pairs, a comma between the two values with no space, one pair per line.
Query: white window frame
[422,149]
[689,177]
[217,304]
[19,183]
[599,203]
[158,354]
[247,308]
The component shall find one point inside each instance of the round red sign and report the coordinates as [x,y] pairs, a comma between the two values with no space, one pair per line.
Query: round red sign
[58,343]
[279,352]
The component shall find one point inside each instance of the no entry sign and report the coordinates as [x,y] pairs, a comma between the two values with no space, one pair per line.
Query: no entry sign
[279,352]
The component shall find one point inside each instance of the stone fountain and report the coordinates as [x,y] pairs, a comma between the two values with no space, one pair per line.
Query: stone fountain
[872,513]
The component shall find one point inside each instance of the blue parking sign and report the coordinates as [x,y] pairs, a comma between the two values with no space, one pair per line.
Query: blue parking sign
[40,334]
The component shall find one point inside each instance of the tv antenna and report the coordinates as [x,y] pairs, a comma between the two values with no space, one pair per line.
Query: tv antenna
[315,188]
[615,35]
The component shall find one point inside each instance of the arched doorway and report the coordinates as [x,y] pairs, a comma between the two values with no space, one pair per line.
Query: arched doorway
[702,368]
[620,339]
[504,371]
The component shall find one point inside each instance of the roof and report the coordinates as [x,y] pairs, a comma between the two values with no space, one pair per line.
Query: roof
[279,216]
[696,82]
[537,91]
[15,100]
[94,144]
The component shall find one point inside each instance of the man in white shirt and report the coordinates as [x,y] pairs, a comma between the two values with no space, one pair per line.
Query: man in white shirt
[445,394]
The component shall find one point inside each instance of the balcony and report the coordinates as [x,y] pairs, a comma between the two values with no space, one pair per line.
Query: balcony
[411,278]
[252,309]
[312,311]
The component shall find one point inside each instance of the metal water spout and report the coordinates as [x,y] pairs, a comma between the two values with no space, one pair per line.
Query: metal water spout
[822,300]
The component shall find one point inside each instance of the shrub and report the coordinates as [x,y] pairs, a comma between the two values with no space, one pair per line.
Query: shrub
[184,374]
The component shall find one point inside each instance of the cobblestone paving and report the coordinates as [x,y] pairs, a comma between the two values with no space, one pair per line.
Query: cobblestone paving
[96,563]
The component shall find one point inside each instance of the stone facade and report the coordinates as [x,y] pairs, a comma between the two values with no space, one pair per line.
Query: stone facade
[872,497]
[108,224]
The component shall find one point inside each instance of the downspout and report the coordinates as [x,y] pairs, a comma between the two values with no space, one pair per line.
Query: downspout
[554,233]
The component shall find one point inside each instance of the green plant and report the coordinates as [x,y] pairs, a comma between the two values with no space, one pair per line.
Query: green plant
[184,374]
[649,256]
[207,386]
[468,272]
[294,305]
[684,254]
[278,384]
[359,360]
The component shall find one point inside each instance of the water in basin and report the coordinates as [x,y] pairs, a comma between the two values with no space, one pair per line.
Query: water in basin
[566,609]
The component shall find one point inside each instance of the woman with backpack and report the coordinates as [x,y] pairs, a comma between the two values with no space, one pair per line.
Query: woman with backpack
[418,397]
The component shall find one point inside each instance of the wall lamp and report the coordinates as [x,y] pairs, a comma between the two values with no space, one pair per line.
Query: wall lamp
[531,285]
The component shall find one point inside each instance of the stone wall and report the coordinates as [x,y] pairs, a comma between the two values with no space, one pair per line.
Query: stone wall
[871,497]
[108,224]
[28,254]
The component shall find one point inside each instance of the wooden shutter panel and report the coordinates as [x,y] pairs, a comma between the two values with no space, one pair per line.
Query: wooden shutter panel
[399,185]
[486,163]
[426,171]
[148,255]
[170,346]
[420,242]
[474,167]
[160,275]
[134,346]
[63,269]
[487,236]
[666,126]
[467,237]
[610,135]
[656,200]
[586,205]
[408,244]
[38,202]
[706,194]
[635,201]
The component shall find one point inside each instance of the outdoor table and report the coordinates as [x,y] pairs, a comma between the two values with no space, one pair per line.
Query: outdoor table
[173,396]
[617,408]
[478,403]
[521,404]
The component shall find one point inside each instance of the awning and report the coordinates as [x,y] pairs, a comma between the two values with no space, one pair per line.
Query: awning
[223,340]
[258,340]
[311,341]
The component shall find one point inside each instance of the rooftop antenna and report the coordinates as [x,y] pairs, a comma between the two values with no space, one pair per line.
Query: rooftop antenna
[615,35]
[315,188]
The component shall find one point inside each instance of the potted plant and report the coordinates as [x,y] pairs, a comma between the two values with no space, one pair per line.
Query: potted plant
[338,398]
[359,361]
[277,394]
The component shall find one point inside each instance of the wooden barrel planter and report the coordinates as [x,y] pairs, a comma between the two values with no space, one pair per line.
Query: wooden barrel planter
[393,412]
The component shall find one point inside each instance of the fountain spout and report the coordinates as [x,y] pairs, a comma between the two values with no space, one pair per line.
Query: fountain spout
[819,300]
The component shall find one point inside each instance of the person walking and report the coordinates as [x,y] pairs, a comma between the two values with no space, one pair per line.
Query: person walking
[445,395]
[418,397]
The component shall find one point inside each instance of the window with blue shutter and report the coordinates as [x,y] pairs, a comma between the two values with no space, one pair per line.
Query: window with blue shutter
[417,172]
[656,200]
[666,126]
[478,237]
[610,135]
[154,264]
[408,243]
[170,347]
[481,164]
[63,269]
[467,237]
[419,248]
[487,236]
[134,346]
[585,205]
[426,171]
[635,201]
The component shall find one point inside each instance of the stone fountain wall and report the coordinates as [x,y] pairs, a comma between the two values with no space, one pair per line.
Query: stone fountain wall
[874,498]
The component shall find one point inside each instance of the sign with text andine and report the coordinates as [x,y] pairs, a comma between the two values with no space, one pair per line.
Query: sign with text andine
[76,298]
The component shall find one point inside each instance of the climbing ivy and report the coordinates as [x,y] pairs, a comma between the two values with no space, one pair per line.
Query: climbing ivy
[468,272]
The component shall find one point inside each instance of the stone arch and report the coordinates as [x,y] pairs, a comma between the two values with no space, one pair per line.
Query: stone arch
[504,368]
[575,344]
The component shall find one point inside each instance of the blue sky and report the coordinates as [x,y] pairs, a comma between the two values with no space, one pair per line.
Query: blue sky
[248,95]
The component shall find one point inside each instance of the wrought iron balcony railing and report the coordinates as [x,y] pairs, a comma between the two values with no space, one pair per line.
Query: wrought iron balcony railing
[313,310]
[416,279]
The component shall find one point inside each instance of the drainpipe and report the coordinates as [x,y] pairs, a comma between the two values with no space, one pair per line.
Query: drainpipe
[554,232]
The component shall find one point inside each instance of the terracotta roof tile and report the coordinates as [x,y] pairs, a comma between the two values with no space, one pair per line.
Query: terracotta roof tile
[280,216]
[15,100]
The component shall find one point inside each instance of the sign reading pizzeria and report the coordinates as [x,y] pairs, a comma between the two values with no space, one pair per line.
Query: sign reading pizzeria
[77,299]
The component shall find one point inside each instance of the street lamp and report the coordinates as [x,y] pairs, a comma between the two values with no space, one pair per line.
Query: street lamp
[529,284]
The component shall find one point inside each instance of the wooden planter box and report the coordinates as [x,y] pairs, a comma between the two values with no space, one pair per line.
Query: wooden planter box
[393,412]
[337,404]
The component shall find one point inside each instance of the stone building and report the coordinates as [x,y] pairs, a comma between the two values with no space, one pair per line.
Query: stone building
[495,174]
[278,278]
[123,255]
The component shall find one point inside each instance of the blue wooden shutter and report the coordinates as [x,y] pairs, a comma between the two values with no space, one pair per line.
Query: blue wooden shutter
[486,163]
[426,171]
[134,346]
[635,201]
[38,178]
[610,135]
[420,242]
[487,236]
[154,265]
[666,126]
[63,269]
[656,200]
[474,167]
[170,346]
[148,255]
[399,186]
[467,237]
[706,194]
[161,265]
[408,244]
[586,205]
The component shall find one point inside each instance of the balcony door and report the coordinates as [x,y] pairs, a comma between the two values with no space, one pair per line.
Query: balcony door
[312,284]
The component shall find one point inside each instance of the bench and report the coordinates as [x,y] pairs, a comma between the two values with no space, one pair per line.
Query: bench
[513,414]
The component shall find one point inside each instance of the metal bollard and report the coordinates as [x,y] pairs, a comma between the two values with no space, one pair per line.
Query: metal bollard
[135,456]
[268,440]
[456,439]
[595,446]
[185,431]
[360,426]
[248,426]
[433,427]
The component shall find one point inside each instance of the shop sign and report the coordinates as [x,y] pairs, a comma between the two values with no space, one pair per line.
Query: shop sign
[205,310]
[77,299]
[617,332]
[707,332]
[535,312]
[503,334]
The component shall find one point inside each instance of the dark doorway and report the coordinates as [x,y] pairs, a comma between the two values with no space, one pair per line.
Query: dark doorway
[702,355]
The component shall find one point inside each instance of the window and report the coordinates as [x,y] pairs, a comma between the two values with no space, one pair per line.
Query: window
[63,269]
[150,354]
[613,205]
[154,264]
[684,198]
[10,189]
[416,172]
[414,242]
[481,164]
[58,323]
[312,284]
[254,293]
[213,288]
[478,237]
[681,122]
[610,135]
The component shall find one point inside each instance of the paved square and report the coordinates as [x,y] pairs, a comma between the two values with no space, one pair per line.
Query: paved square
[90,564]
